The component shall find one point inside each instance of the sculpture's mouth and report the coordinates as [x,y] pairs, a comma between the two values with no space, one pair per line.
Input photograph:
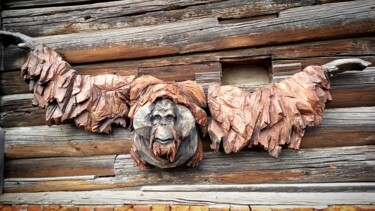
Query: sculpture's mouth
[165,149]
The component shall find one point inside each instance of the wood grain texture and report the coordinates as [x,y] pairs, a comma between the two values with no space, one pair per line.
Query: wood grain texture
[341,127]
[290,200]
[328,165]
[64,140]
[122,14]
[316,23]
[16,4]
[2,158]
[51,167]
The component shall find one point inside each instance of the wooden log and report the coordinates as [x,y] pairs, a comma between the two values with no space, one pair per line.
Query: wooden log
[358,47]
[64,140]
[317,23]
[289,200]
[100,16]
[285,67]
[180,72]
[317,165]
[63,166]
[341,127]
[16,4]
[348,89]
[2,157]
[296,187]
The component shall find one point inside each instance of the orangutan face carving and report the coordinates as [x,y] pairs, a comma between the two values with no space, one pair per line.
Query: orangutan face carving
[165,134]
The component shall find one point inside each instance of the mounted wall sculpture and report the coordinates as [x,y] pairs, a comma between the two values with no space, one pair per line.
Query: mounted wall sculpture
[168,117]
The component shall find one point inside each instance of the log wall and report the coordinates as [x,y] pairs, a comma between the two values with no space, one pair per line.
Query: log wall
[266,40]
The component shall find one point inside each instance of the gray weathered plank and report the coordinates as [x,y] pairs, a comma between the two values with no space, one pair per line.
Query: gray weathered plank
[316,165]
[290,200]
[2,158]
[16,4]
[64,140]
[58,167]
[120,14]
[341,127]
[293,187]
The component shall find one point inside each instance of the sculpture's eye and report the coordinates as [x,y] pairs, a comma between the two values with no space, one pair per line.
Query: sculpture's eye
[170,118]
[156,117]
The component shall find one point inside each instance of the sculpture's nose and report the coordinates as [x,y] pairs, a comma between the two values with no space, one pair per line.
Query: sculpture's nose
[164,135]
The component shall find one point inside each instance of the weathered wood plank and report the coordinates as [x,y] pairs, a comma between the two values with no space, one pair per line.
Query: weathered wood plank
[348,89]
[359,47]
[289,200]
[293,187]
[16,4]
[64,140]
[284,67]
[327,165]
[2,157]
[341,127]
[317,23]
[180,72]
[63,166]
[120,14]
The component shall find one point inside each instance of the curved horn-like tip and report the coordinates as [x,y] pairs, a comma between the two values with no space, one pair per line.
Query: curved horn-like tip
[15,38]
[342,65]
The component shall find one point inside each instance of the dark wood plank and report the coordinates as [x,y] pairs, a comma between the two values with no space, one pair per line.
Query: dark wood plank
[323,21]
[57,167]
[2,163]
[121,14]
[341,127]
[327,165]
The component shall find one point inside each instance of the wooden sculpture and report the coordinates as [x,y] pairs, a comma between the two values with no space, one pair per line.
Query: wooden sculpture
[273,115]
[164,114]
[168,117]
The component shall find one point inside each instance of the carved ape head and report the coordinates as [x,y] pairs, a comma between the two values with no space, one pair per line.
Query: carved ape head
[165,134]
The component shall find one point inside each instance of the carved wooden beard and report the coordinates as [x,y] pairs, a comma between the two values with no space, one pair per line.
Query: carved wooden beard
[165,134]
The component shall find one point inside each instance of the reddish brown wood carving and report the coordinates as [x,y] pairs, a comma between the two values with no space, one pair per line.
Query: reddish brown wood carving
[273,115]
[165,115]
[92,102]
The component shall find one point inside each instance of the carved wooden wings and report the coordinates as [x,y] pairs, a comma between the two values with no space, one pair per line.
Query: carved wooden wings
[272,116]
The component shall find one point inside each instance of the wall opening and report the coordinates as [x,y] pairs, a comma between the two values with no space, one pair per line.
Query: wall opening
[246,72]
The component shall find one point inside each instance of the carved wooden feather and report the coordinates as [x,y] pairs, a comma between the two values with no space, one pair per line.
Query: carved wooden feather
[272,116]
[92,102]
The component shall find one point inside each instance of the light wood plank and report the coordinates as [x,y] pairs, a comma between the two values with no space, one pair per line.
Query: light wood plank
[310,199]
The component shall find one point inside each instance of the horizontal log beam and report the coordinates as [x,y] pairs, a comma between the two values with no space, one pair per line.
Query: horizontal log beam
[328,165]
[319,22]
[59,167]
[16,4]
[341,127]
[290,200]
[297,187]
[100,16]
[64,140]
[348,89]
